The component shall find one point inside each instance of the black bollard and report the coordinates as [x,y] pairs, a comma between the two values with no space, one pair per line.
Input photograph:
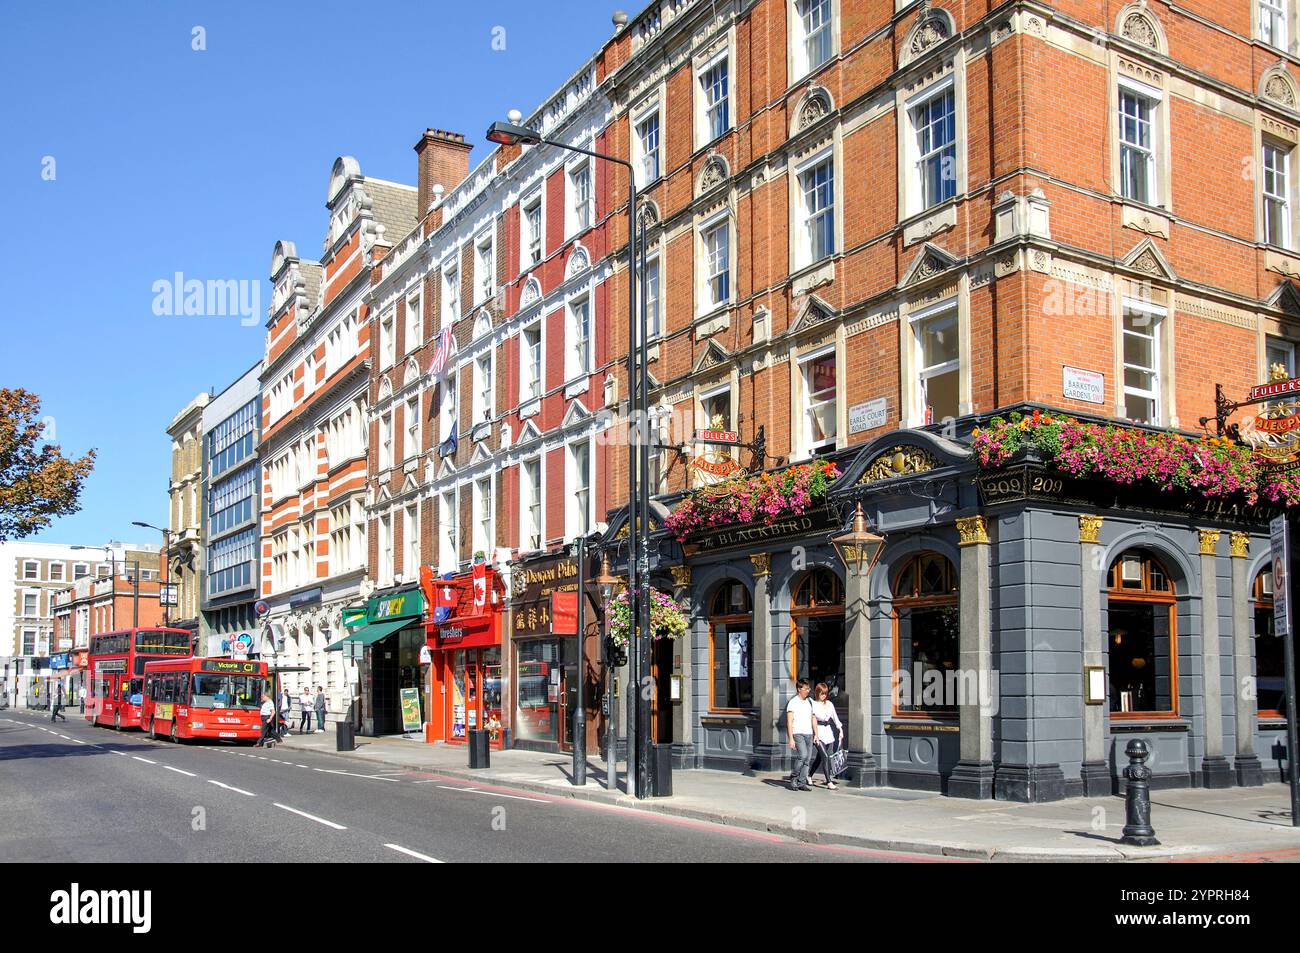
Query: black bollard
[479,749]
[1138,831]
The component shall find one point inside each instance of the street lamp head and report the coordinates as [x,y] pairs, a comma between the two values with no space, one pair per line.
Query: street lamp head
[859,548]
[512,134]
[606,580]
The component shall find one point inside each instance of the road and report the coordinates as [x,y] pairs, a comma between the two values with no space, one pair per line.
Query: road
[76,793]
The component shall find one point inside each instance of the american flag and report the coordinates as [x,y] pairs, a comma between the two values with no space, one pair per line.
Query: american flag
[441,353]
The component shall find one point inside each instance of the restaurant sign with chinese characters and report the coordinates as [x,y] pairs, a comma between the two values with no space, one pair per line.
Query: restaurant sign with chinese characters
[532,586]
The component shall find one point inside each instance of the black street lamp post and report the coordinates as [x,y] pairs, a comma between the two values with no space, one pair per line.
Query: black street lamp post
[511,134]
[164,586]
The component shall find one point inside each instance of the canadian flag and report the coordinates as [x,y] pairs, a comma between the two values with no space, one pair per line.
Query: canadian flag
[480,587]
[444,602]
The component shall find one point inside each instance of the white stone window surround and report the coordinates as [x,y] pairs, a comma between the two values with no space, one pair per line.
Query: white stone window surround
[705,304]
[1274,23]
[653,107]
[797,59]
[535,198]
[573,512]
[920,223]
[1150,84]
[800,248]
[449,286]
[485,264]
[911,409]
[576,168]
[532,388]
[448,530]
[702,119]
[1163,334]
[414,319]
[532,503]
[800,361]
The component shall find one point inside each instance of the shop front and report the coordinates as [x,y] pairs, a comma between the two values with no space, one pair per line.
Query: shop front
[464,644]
[390,643]
[553,669]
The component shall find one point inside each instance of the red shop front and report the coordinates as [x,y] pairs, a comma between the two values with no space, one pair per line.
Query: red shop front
[466,684]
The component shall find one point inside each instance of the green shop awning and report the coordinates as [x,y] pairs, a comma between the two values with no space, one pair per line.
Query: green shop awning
[370,634]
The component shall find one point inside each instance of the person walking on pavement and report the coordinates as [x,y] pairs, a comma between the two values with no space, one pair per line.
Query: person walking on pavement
[268,718]
[799,729]
[827,740]
[56,704]
[81,696]
[320,708]
[305,702]
[286,703]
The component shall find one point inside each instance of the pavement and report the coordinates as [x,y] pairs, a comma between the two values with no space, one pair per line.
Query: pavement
[1237,824]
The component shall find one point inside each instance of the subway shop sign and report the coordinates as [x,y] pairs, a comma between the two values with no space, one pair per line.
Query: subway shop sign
[399,606]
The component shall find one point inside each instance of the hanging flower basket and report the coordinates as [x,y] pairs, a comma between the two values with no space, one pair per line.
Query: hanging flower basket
[1211,466]
[762,498]
[667,617]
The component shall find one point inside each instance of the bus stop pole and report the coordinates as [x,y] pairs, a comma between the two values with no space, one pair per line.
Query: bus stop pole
[580,709]
[1291,588]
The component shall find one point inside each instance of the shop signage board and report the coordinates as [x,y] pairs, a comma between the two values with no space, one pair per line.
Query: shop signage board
[532,587]
[721,437]
[868,416]
[410,709]
[1087,386]
[397,606]
[817,520]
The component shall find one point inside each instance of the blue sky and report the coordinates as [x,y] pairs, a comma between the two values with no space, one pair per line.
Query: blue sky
[169,159]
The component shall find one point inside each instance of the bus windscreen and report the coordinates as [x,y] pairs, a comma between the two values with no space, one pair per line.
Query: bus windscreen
[227,691]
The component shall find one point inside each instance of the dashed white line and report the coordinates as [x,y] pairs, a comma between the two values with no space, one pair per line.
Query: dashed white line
[179,771]
[310,817]
[513,797]
[410,853]
[117,753]
[145,760]
[231,788]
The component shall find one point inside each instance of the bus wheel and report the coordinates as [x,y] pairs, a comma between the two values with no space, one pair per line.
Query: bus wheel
[172,735]
[117,721]
[153,728]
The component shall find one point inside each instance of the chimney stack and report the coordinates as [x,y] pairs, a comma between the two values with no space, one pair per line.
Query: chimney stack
[444,160]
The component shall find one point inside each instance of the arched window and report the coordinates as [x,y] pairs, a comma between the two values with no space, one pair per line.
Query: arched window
[819,589]
[731,648]
[927,630]
[1270,658]
[1142,638]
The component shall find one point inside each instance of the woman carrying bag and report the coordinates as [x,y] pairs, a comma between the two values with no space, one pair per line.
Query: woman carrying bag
[828,740]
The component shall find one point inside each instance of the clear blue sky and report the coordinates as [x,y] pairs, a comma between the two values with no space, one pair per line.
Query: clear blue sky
[169,159]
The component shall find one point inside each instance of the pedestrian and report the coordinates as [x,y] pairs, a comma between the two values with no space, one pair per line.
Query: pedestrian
[286,702]
[828,739]
[799,729]
[81,696]
[56,704]
[268,717]
[320,708]
[305,702]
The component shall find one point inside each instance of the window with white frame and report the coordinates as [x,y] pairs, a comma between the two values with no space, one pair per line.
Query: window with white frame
[579,335]
[414,322]
[530,343]
[714,112]
[448,517]
[411,543]
[412,413]
[447,411]
[80,571]
[31,604]
[933,117]
[1272,23]
[484,535]
[810,36]
[280,560]
[388,339]
[1276,188]
[386,550]
[579,213]
[485,276]
[1278,352]
[29,641]
[1141,361]
[579,521]
[530,535]
[341,343]
[650,296]
[815,234]
[819,395]
[938,363]
[344,435]
[645,147]
[531,239]
[347,537]
[282,396]
[484,387]
[715,409]
[31,569]
[56,572]
[450,296]
[1137,137]
[386,441]
[715,240]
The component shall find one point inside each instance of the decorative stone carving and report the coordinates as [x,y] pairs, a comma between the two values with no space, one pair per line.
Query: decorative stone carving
[532,291]
[1147,263]
[647,216]
[1139,28]
[1090,529]
[1239,545]
[579,262]
[762,564]
[1001,31]
[815,108]
[930,266]
[973,530]
[932,30]
[897,462]
[681,576]
[714,174]
[1279,90]
[1209,541]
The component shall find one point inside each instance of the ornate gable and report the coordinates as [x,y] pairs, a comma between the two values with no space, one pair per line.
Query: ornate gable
[1286,298]
[714,174]
[1147,258]
[575,414]
[931,260]
[712,356]
[814,312]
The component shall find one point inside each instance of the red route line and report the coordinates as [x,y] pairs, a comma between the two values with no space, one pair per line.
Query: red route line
[1256,856]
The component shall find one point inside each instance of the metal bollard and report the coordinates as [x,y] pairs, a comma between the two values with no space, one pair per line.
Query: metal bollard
[1138,831]
[579,748]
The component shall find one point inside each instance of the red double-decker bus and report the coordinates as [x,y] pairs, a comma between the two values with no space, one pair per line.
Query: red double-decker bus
[115,666]
[204,698]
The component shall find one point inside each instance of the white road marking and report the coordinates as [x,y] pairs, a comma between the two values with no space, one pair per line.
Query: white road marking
[179,771]
[65,737]
[410,853]
[145,760]
[118,753]
[310,817]
[230,788]
[513,797]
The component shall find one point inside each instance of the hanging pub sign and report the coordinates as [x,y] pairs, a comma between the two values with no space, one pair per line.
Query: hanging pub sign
[1273,434]
[719,468]
[532,586]
[725,437]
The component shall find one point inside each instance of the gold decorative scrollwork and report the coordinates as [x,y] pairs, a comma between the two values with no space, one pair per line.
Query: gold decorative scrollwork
[762,564]
[973,530]
[1209,541]
[896,462]
[1090,529]
[1239,545]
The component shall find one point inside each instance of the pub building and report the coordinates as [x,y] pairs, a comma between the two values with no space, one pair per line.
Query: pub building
[552,668]
[463,635]
[1018,628]
[389,636]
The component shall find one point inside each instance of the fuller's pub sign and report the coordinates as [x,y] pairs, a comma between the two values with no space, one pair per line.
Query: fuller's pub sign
[1273,434]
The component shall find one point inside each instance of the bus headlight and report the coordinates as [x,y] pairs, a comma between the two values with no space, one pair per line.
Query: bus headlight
[196,724]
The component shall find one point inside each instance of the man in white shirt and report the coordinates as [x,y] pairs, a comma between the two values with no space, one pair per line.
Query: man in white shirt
[799,729]
[268,717]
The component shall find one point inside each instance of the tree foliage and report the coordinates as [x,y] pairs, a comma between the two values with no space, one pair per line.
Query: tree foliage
[37,482]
